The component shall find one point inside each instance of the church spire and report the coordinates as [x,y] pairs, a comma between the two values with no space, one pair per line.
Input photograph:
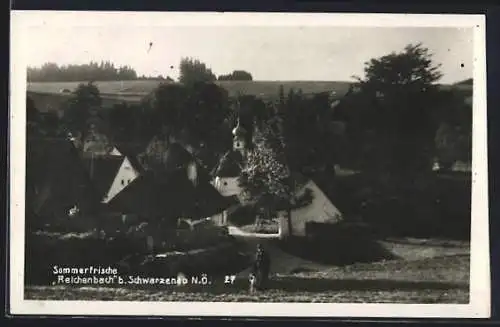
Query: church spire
[239,132]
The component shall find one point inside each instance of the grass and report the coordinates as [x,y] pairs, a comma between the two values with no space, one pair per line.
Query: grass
[432,280]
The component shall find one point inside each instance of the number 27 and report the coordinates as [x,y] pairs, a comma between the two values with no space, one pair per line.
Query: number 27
[229,279]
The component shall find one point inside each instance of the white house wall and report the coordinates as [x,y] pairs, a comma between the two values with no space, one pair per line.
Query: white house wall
[227,186]
[320,210]
[126,174]
[220,219]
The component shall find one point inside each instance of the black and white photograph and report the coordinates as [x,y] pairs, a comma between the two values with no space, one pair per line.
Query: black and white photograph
[248,164]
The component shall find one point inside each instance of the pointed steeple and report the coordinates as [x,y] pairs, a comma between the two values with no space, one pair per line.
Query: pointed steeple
[239,131]
[240,138]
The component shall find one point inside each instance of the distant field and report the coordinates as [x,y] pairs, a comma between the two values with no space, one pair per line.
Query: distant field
[48,95]
[143,87]
[265,88]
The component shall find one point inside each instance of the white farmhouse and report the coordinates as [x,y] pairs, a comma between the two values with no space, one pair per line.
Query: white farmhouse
[320,210]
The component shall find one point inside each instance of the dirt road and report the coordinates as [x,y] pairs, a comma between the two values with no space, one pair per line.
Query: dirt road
[285,263]
[281,262]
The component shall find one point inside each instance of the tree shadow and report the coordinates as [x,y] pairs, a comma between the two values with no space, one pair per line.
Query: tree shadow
[302,284]
[337,249]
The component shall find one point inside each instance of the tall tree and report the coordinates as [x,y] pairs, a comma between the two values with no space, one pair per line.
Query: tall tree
[195,114]
[167,103]
[309,138]
[398,122]
[32,114]
[83,109]
[125,121]
[207,107]
[266,178]
[193,70]
[281,95]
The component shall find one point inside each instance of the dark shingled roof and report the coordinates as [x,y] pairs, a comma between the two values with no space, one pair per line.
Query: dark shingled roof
[170,193]
[229,165]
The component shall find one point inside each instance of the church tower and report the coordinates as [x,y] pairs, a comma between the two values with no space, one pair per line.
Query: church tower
[240,137]
[241,134]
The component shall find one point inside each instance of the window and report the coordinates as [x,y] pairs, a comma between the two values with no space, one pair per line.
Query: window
[128,181]
[225,183]
[123,182]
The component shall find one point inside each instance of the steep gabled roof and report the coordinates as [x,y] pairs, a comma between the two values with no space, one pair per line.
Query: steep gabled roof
[229,165]
[102,171]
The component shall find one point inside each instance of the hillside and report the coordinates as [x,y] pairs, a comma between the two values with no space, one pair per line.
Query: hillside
[465,82]
[48,95]
[143,87]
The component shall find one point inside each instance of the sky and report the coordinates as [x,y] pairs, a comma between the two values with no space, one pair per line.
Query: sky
[322,53]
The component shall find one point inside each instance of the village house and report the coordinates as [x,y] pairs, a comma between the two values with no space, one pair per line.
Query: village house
[67,179]
[110,174]
[110,170]
[161,196]
[226,173]
[320,210]
[225,180]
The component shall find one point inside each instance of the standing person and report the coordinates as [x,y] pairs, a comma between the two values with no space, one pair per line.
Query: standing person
[262,267]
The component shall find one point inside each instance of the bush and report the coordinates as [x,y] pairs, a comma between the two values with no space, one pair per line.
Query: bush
[224,258]
[242,215]
[338,244]
[266,227]
[429,205]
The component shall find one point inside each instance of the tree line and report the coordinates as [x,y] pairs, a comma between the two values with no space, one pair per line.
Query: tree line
[192,70]
[102,71]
